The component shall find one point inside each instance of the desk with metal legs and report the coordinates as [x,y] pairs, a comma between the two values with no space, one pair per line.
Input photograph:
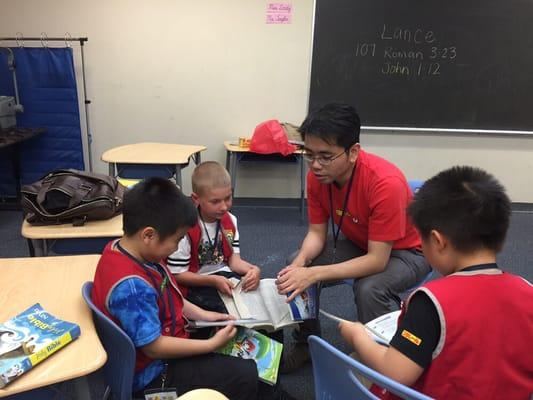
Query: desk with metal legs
[236,154]
[137,155]
[89,238]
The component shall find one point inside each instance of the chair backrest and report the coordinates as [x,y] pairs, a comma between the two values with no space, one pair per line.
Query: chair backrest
[335,376]
[415,184]
[120,365]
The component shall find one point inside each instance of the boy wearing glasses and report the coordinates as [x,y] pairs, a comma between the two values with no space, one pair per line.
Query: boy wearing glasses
[365,197]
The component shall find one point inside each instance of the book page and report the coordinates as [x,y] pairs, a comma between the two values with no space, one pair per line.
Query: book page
[250,304]
[384,327]
[230,305]
[275,303]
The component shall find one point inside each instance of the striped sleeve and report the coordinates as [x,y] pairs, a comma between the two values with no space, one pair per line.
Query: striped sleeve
[236,247]
[179,261]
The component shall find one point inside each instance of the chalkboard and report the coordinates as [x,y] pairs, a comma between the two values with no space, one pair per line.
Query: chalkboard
[454,64]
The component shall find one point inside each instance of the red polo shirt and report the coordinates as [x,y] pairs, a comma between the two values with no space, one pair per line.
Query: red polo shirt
[376,209]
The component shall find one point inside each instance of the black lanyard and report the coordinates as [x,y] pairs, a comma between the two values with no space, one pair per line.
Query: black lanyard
[161,289]
[336,234]
[217,231]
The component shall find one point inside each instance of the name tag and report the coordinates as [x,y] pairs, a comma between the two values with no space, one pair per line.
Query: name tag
[161,394]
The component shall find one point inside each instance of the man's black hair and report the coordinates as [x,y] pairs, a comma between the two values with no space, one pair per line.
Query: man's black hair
[466,204]
[158,203]
[334,123]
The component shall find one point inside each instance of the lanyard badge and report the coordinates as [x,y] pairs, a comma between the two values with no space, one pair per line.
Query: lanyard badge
[337,232]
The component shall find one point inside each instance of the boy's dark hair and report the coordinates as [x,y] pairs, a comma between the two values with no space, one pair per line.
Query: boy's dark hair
[334,123]
[158,203]
[466,204]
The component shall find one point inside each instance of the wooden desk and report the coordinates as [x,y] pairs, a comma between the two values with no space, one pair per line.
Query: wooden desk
[42,235]
[55,282]
[236,154]
[177,155]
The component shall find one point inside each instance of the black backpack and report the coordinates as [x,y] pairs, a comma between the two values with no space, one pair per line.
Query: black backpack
[69,195]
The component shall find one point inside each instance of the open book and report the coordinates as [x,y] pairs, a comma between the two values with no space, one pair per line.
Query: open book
[266,352]
[381,329]
[266,308]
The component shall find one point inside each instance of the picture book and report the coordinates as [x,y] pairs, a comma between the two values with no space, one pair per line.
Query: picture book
[381,329]
[29,338]
[266,352]
[268,309]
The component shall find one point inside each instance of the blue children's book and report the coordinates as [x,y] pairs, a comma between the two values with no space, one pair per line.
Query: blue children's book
[304,306]
[29,338]
[266,352]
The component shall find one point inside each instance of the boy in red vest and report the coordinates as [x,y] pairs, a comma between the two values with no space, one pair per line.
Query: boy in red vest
[209,255]
[137,291]
[467,335]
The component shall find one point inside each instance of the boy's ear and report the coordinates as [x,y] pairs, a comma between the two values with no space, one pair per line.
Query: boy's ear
[195,199]
[147,234]
[439,240]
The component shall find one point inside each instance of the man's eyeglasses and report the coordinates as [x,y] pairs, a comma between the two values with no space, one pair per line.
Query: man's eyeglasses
[322,160]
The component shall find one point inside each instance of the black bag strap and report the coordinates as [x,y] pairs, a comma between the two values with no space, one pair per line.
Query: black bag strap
[112,182]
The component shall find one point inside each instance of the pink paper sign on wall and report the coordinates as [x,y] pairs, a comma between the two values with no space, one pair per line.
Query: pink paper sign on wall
[279,13]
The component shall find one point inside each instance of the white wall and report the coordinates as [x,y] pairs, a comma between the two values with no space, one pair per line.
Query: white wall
[205,71]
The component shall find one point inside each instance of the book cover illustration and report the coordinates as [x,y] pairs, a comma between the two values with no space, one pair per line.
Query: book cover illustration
[304,306]
[29,338]
[266,352]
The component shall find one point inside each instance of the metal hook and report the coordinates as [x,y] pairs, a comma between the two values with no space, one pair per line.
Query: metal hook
[20,39]
[44,39]
[68,37]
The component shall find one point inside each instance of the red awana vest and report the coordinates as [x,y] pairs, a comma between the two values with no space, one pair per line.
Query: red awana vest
[113,268]
[484,350]
[195,236]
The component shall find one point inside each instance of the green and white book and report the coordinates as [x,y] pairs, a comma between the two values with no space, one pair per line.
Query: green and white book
[266,352]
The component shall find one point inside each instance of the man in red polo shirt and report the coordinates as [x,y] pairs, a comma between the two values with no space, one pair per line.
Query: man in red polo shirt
[365,197]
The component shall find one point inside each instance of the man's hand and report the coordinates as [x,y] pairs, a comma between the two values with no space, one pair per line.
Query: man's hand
[251,279]
[294,279]
[290,266]
[222,284]
[222,336]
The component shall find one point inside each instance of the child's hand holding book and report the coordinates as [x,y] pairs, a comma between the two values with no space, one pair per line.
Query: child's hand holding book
[222,336]
[222,284]
[250,281]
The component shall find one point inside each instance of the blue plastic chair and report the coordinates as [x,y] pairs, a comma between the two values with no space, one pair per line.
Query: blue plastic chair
[415,184]
[120,365]
[335,378]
